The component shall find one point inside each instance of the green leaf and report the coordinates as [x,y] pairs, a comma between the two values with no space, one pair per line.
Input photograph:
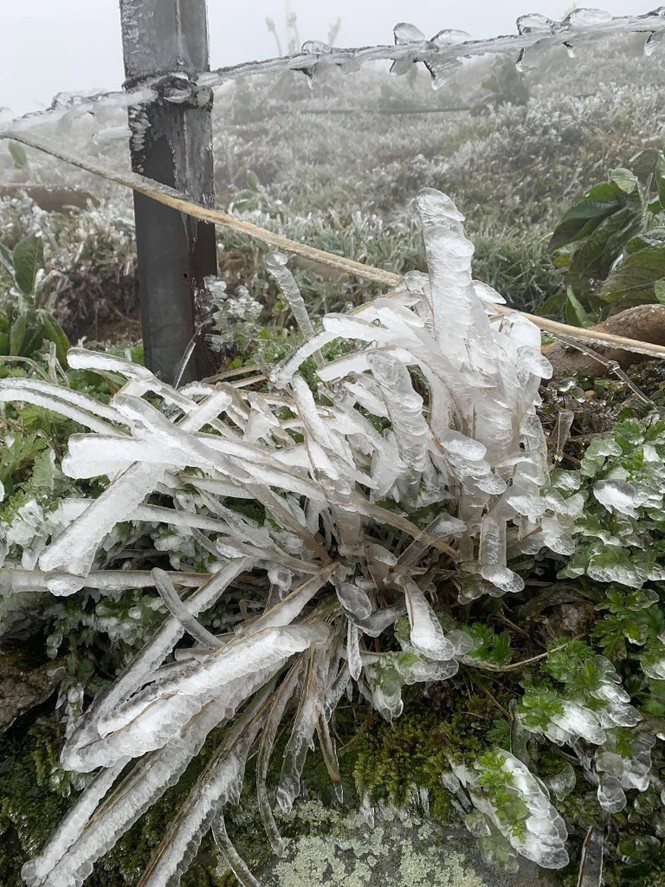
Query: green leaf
[653,237]
[253,182]
[553,306]
[55,333]
[584,217]
[659,290]
[575,313]
[33,339]
[28,258]
[43,473]
[18,155]
[593,259]
[625,179]
[633,281]
[6,260]
[17,334]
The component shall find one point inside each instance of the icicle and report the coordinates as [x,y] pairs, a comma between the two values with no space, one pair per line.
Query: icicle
[328,752]
[276,263]
[236,863]
[219,784]
[591,865]
[353,651]
[36,870]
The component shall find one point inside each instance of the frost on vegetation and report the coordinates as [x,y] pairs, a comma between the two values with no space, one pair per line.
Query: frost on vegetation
[234,315]
[321,523]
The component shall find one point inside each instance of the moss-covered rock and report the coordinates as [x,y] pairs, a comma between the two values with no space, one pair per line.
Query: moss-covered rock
[400,849]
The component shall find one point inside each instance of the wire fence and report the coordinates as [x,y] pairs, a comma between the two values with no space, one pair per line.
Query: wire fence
[442,55]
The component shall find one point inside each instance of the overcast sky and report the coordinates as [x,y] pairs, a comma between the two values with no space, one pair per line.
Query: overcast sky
[48,46]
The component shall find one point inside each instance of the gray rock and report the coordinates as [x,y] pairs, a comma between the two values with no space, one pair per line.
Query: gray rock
[22,685]
[341,849]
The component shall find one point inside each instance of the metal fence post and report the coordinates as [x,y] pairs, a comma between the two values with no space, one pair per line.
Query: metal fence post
[171,143]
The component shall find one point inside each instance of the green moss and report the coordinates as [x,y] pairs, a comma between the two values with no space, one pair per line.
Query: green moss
[413,752]
[35,795]
[29,807]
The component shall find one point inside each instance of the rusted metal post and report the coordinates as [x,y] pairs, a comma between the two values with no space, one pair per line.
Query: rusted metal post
[171,143]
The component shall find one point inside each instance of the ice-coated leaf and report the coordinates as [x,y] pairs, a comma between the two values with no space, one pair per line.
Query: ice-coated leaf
[329,752]
[353,651]
[304,725]
[79,408]
[236,863]
[278,707]
[74,550]
[591,865]
[276,263]
[156,714]
[405,408]
[290,607]
[427,635]
[611,795]
[616,495]
[180,611]
[37,870]
[220,783]
[142,786]
[354,599]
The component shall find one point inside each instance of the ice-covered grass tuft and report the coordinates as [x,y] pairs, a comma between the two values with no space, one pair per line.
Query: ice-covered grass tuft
[419,458]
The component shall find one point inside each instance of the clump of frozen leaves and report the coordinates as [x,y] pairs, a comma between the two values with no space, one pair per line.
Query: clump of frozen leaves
[510,801]
[322,520]
[619,531]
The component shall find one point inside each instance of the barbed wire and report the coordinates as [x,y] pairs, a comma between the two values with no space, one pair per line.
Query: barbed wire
[440,54]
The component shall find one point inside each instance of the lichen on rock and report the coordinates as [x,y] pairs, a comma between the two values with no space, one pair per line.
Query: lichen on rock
[400,849]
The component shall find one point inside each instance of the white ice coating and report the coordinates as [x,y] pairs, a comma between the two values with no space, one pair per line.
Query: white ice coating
[94,837]
[427,636]
[276,263]
[617,495]
[309,710]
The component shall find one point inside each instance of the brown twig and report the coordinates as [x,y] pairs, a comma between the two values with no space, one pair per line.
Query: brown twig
[514,666]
